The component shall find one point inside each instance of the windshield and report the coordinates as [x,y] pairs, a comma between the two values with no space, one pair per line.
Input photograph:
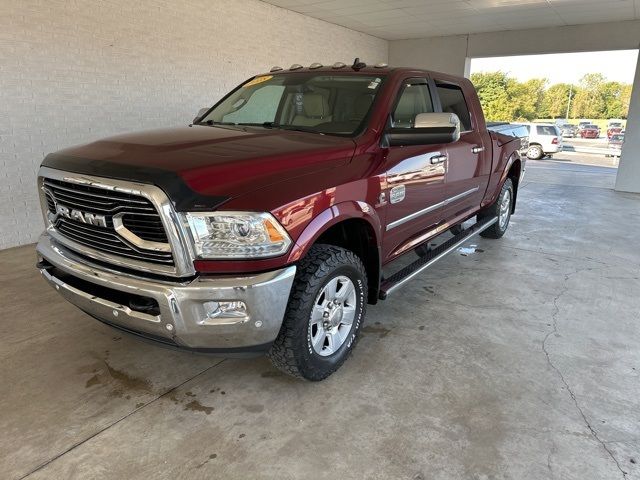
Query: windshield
[617,138]
[314,102]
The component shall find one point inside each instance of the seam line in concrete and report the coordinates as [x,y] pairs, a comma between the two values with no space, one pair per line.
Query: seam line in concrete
[76,445]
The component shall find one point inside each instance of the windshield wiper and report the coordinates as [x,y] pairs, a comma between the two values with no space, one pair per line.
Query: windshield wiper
[281,127]
[300,129]
[212,122]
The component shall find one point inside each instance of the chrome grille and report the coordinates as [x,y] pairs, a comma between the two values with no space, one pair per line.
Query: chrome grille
[138,215]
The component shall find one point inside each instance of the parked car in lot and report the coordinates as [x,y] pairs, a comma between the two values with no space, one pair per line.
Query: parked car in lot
[615,145]
[544,139]
[264,225]
[569,131]
[613,130]
[590,131]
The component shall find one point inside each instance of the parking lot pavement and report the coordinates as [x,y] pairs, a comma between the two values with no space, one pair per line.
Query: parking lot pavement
[565,172]
[587,145]
[594,159]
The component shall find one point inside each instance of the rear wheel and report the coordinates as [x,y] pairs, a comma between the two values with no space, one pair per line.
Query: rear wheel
[325,312]
[502,209]
[456,229]
[535,152]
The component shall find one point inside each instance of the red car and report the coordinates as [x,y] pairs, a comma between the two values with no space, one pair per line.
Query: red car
[611,131]
[590,131]
[264,226]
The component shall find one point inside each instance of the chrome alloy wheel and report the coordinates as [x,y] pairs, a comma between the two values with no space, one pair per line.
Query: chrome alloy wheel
[505,210]
[332,316]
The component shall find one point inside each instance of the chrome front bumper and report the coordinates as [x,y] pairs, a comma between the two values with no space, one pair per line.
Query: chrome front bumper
[183,317]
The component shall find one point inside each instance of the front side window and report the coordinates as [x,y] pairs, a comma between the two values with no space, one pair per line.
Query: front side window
[314,102]
[414,99]
[453,101]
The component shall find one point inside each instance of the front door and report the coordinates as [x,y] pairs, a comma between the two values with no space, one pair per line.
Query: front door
[415,175]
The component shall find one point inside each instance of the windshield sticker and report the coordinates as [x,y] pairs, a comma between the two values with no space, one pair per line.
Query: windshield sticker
[257,80]
[374,83]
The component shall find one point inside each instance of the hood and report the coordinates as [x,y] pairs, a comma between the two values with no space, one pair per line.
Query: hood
[200,167]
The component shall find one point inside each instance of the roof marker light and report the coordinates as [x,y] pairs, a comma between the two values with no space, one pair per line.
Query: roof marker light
[315,65]
[338,65]
[275,69]
[295,66]
[381,65]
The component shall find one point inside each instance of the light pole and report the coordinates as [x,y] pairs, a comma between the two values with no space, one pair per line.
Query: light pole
[569,102]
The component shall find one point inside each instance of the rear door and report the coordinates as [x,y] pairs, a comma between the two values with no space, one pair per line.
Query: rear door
[415,174]
[469,159]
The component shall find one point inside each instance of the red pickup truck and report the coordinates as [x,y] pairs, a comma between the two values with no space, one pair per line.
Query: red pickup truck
[265,225]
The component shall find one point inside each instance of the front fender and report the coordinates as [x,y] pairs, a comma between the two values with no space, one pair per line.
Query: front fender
[333,215]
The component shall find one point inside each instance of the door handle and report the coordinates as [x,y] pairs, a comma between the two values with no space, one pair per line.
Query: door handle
[477,149]
[438,159]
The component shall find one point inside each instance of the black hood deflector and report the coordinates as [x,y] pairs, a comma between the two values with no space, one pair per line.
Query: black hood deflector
[184,199]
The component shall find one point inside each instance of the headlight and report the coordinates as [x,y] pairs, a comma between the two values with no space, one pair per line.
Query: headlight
[220,235]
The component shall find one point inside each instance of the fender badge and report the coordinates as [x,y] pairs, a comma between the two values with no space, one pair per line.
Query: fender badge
[397,194]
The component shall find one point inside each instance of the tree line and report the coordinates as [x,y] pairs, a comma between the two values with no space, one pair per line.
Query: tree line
[504,98]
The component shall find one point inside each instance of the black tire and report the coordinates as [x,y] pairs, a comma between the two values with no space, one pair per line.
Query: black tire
[422,250]
[535,152]
[498,229]
[292,352]
[456,229]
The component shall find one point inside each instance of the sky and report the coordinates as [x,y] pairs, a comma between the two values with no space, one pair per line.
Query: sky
[616,66]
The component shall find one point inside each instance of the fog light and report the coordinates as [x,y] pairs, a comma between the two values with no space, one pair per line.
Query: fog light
[225,309]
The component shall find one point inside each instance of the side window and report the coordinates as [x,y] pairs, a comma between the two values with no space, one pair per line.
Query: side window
[414,99]
[453,101]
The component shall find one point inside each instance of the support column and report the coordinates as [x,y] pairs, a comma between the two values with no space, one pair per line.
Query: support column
[628,178]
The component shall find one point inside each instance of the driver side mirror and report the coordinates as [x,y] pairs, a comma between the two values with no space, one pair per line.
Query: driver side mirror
[200,114]
[428,129]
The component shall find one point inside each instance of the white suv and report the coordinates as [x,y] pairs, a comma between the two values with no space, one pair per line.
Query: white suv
[544,139]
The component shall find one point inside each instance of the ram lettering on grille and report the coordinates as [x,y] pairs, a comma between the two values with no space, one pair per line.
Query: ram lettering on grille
[84,217]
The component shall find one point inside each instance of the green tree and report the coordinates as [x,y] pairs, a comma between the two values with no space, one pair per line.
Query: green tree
[527,98]
[616,99]
[503,98]
[555,99]
[589,101]
[493,90]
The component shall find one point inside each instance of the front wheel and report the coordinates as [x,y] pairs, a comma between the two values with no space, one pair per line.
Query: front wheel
[501,208]
[325,312]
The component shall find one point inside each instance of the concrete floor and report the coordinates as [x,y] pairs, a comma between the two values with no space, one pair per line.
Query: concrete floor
[511,359]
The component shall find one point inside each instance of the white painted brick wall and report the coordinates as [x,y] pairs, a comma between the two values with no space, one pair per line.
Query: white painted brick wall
[72,71]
